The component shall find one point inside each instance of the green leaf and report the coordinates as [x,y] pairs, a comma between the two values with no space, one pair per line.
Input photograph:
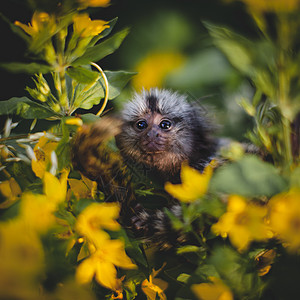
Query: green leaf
[206,270]
[249,177]
[87,99]
[116,82]
[25,108]
[29,68]
[234,46]
[63,150]
[89,118]
[237,272]
[211,205]
[183,277]
[255,59]
[295,178]
[82,75]
[96,53]
[62,213]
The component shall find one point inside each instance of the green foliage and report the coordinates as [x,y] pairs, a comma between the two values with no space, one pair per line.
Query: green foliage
[82,75]
[26,108]
[87,98]
[30,68]
[255,59]
[238,272]
[249,177]
[103,49]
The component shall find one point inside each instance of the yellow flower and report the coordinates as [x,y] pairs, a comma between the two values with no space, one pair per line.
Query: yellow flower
[95,217]
[85,27]
[216,290]
[42,152]
[154,68]
[84,188]
[154,286]
[11,190]
[37,210]
[41,21]
[243,222]
[284,217]
[22,261]
[194,184]
[94,3]
[102,262]
[272,5]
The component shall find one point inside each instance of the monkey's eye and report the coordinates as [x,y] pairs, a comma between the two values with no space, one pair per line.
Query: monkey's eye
[165,124]
[141,125]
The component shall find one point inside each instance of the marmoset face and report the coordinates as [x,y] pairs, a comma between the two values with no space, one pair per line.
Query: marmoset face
[156,130]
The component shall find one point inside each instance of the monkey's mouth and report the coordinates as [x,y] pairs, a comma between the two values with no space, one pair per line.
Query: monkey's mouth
[153,147]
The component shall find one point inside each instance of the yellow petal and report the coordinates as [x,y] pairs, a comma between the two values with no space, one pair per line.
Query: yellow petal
[236,203]
[27,28]
[272,5]
[53,188]
[85,27]
[181,192]
[224,225]
[103,215]
[42,152]
[153,69]
[10,188]
[85,271]
[37,211]
[216,290]
[196,179]
[74,121]
[148,290]
[118,256]
[194,184]
[106,275]
[240,238]
[39,21]
[94,3]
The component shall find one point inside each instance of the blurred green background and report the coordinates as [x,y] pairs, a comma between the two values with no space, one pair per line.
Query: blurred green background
[168,46]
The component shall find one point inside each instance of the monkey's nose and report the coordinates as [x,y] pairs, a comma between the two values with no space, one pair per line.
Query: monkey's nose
[153,133]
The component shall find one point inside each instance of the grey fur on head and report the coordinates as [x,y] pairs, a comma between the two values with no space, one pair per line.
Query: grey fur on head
[172,131]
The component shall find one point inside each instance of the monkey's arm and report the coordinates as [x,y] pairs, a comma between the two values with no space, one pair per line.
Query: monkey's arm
[93,157]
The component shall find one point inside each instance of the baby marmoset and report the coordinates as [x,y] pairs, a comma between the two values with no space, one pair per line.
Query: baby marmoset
[158,130]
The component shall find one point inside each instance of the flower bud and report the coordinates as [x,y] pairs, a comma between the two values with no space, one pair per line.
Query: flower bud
[42,85]
[35,94]
[55,107]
